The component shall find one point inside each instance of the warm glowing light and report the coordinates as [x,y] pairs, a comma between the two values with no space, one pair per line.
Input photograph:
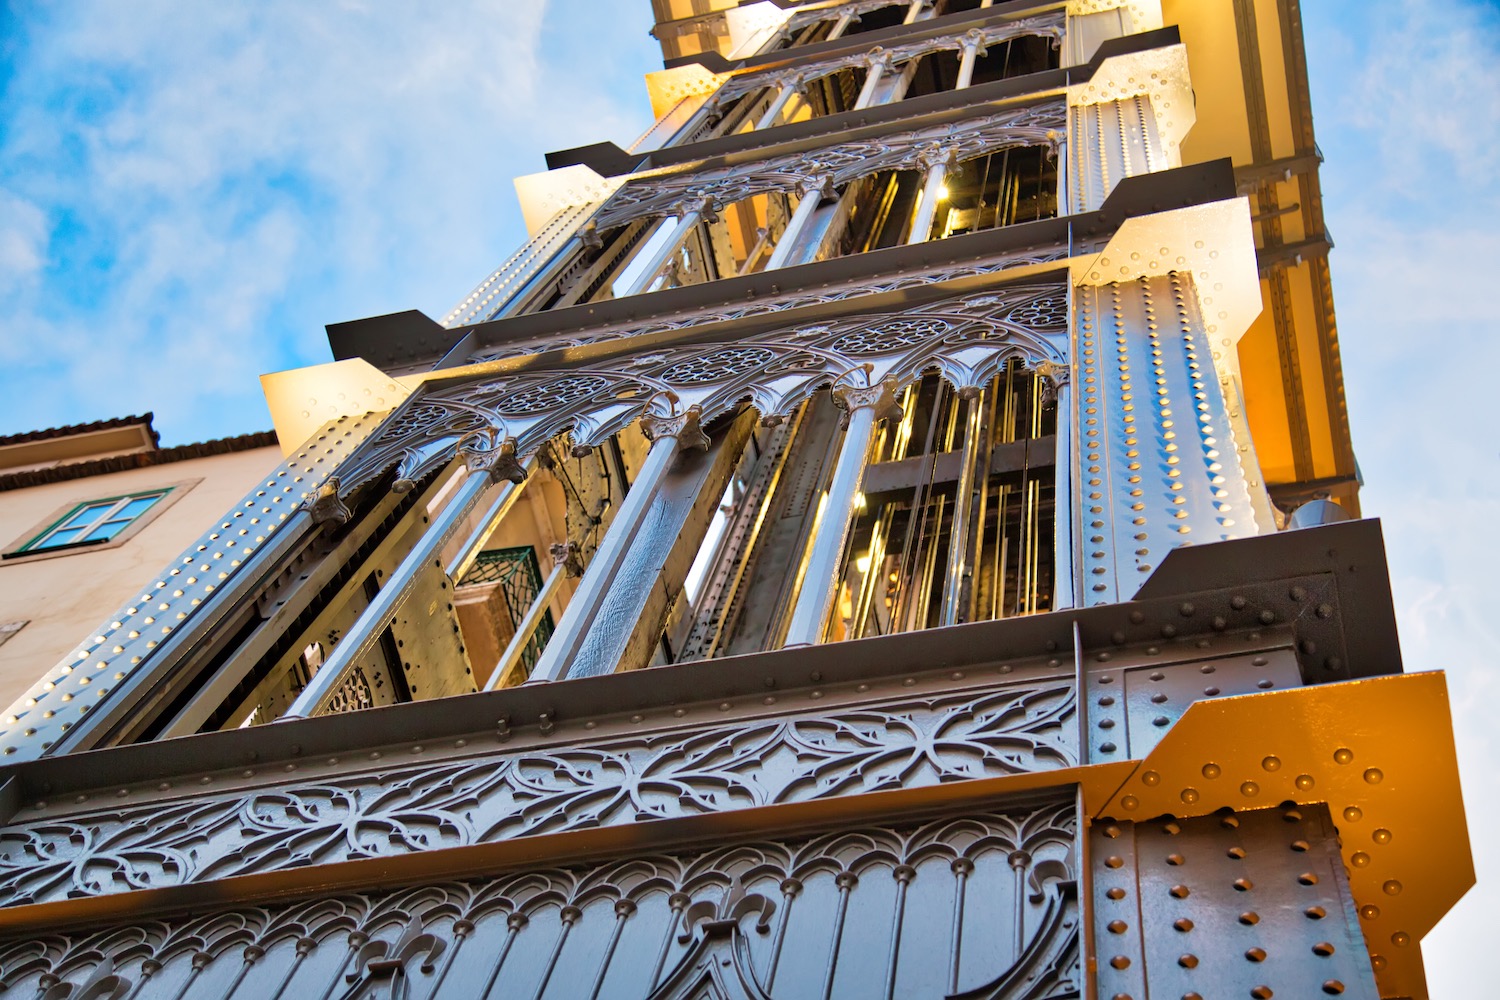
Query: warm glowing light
[863,563]
[942,192]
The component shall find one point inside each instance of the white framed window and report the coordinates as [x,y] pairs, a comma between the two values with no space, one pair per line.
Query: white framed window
[94,521]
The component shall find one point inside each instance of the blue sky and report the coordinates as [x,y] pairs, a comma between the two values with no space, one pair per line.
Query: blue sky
[189,191]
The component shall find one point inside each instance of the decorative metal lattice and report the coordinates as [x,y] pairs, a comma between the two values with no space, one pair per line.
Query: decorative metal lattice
[545,396]
[354,694]
[891,335]
[1048,313]
[719,366]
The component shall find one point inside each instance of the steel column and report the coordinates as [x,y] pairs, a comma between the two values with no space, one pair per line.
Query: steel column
[681,229]
[971,44]
[955,605]
[880,63]
[791,235]
[815,597]
[787,91]
[668,434]
[1064,589]
[484,468]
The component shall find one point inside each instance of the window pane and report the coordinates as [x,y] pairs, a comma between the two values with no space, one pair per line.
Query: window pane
[87,514]
[96,521]
[106,530]
[135,508]
[62,536]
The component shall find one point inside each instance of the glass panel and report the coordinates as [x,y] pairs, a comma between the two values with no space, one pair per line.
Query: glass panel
[86,514]
[97,521]
[135,508]
[104,531]
[63,536]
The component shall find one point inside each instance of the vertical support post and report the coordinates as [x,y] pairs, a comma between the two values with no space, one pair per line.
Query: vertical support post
[564,565]
[936,162]
[664,253]
[879,63]
[487,461]
[791,236]
[668,434]
[1064,587]
[840,26]
[865,405]
[914,11]
[973,44]
[788,90]
[956,588]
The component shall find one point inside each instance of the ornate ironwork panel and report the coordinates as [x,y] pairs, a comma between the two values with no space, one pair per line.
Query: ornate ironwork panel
[921,738]
[1045,25]
[1041,124]
[975,905]
[765,305]
[967,338]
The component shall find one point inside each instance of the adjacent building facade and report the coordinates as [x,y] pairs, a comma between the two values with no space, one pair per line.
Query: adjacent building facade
[87,513]
[891,532]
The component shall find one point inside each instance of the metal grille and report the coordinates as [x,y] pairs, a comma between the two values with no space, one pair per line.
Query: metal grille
[519,574]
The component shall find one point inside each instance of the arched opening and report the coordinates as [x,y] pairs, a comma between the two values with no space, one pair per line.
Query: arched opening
[872,213]
[937,72]
[828,95]
[1001,189]
[745,234]
[900,560]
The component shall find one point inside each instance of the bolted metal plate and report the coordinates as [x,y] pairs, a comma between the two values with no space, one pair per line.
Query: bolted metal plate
[1379,752]
[1250,904]
[1156,697]
[1136,694]
[1120,956]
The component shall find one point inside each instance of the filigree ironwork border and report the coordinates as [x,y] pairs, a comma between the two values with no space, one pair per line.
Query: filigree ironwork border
[1040,124]
[1022,727]
[1044,26]
[965,339]
[745,905]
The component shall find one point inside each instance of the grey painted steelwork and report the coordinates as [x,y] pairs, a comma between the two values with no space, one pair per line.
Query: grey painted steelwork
[887,817]
[1243,904]
[946,708]
[1159,466]
[863,404]
[669,433]
[874,911]
[487,461]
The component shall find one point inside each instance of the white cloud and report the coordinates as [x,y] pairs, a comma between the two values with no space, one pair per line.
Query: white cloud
[23,240]
[1407,96]
[221,180]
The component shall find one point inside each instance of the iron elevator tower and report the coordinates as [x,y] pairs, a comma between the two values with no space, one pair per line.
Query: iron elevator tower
[890,532]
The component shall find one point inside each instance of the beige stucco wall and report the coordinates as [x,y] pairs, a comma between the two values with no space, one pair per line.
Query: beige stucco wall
[67,595]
